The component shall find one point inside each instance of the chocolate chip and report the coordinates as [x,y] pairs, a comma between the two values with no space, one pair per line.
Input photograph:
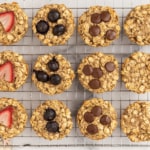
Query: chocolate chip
[92,129]
[110,66]
[94,30]
[105,16]
[105,120]
[52,126]
[94,84]
[97,73]
[110,34]
[96,110]
[88,117]
[87,70]
[95,18]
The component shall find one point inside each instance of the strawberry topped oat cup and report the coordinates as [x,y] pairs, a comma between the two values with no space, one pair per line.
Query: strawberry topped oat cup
[13,71]
[13,23]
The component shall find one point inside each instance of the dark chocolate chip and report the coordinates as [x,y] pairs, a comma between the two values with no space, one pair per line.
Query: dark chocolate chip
[87,70]
[53,64]
[59,29]
[110,34]
[42,76]
[95,18]
[52,126]
[53,15]
[105,120]
[49,114]
[96,111]
[42,27]
[55,79]
[94,84]
[105,16]
[92,129]
[88,117]
[94,30]
[110,66]
[97,73]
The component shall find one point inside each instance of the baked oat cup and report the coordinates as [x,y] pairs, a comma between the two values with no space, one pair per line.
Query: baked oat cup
[98,72]
[13,71]
[135,72]
[13,23]
[96,119]
[52,120]
[52,74]
[53,24]
[13,118]
[99,26]
[135,121]
[136,25]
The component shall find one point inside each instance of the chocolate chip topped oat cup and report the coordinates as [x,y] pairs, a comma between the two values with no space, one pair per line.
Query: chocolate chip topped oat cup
[52,74]
[98,72]
[13,23]
[99,26]
[96,119]
[136,25]
[52,120]
[13,71]
[53,24]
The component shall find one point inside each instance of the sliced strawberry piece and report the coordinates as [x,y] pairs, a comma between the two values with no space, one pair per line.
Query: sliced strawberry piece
[6,72]
[6,116]
[7,20]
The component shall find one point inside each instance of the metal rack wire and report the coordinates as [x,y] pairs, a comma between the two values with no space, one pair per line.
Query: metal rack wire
[74,51]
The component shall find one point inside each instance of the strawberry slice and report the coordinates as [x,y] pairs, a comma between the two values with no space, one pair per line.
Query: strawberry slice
[6,116]
[7,20]
[6,72]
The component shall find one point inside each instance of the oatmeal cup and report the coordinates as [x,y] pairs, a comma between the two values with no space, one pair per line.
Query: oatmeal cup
[52,74]
[53,24]
[98,72]
[135,121]
[13,23]
[13,118]
[99,26]
[136,25]
[52,120]
[135,72]
[97,119]
[13,71]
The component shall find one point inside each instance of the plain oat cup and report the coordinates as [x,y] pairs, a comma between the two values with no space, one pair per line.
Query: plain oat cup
[13,23]
[52,120]
[13,118]
[53,24]
[13,71]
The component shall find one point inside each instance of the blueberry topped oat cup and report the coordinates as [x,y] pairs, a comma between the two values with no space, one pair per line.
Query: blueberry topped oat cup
[13,23]
[52,74]
[99,26]
[53,24]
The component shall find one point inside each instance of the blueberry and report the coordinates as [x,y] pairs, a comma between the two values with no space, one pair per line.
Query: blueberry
[42,76]
[53,64]
[49,114]
[52,126]
[59,29]
[53,15]
[42,27]
[55,79]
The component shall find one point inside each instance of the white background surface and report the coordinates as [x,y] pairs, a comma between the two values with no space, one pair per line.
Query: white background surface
[74,50]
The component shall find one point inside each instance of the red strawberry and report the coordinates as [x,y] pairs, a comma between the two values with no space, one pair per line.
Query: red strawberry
[6,72]
[7,20]
[6,116]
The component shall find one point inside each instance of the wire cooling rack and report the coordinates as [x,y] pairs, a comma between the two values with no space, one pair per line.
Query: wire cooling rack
[74,51]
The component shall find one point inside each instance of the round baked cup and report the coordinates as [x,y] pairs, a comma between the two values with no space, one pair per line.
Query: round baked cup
[20,70]
[103,130]
[136,25]
[102,81]
[20,24]
[65,71]
[67,19]
[63,118]
[98,39]
[135,121]
[19,118]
